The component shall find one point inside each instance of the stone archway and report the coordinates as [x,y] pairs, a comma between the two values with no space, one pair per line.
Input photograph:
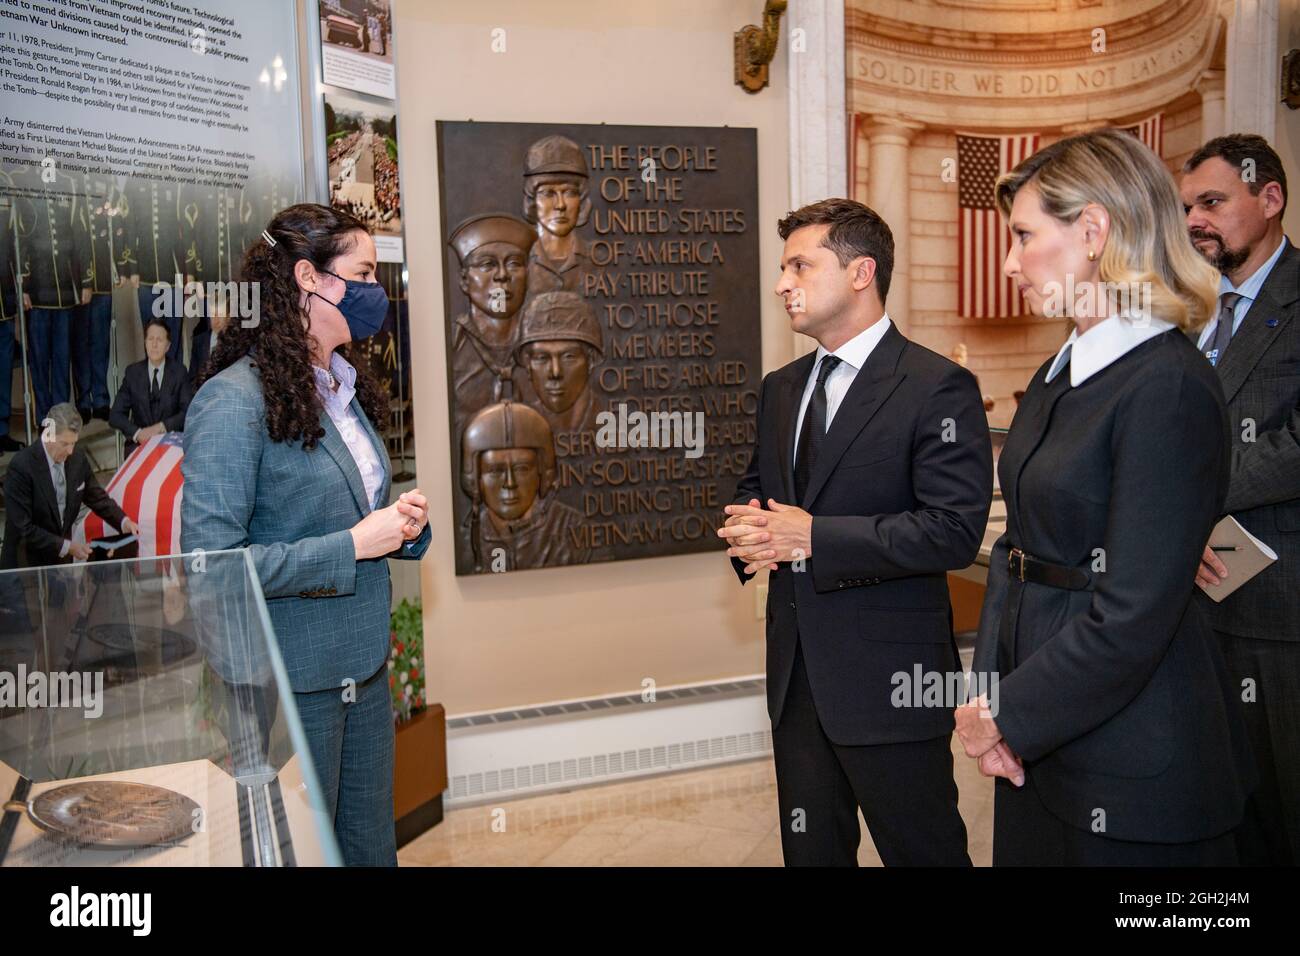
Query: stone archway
[919,74]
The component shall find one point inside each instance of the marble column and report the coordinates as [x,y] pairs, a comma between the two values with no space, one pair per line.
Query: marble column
[814,38]
[1210,85]
[818,119]
[889,194]
[1253,66]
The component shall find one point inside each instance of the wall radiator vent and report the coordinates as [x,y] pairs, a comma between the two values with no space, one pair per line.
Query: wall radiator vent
[559,746]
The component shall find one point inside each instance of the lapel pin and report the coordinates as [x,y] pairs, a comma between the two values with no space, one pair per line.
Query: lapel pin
[1271,323]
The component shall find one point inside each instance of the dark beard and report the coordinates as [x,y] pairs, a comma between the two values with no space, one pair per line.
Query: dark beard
[1222,258]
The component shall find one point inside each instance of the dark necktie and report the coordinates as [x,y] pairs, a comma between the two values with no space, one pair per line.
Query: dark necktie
[154,389]
[813,430]
[1223,334]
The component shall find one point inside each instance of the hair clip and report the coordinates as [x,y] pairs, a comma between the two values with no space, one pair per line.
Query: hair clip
[267,236]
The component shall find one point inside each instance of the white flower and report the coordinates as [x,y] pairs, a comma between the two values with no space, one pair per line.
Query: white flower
[403,677]
[407,691]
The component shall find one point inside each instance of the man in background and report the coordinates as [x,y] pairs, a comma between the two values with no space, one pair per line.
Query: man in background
[44,489]
[155,392]
[1234,191]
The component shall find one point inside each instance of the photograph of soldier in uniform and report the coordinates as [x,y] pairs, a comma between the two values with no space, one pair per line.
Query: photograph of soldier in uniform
[556,201]
[507,468]
[101,234]
[493,253]
[47,206]
[560,341]
[154,226]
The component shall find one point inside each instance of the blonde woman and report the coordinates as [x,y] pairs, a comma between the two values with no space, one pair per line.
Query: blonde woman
[1109,720]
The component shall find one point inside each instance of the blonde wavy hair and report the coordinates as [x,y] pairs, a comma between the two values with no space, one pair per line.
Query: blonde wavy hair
[1148,241]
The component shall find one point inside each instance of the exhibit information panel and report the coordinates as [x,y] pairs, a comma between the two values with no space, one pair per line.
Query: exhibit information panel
[144,139]
[603,337]
[146,720]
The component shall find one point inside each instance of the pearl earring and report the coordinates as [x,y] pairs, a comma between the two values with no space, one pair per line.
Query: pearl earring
[1091,255]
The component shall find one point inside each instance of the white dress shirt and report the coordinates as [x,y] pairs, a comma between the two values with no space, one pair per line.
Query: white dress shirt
[853,355]
[1102,345]
[338,405]
[1248,290]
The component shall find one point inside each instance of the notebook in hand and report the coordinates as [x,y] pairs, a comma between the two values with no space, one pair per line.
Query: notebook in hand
[1243,554]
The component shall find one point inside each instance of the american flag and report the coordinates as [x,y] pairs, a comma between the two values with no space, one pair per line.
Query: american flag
[1151,131]
[148,489]
[983,239]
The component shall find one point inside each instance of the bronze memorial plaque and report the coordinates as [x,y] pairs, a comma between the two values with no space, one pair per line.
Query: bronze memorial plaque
[603,337]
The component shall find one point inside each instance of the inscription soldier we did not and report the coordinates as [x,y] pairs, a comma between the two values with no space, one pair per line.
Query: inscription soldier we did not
[603,343]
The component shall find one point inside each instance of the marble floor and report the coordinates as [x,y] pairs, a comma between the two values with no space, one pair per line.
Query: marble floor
[719,816]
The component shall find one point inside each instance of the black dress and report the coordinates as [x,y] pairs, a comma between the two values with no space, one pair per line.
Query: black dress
[1115,696]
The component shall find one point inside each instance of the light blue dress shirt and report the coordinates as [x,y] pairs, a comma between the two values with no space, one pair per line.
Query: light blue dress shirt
[1248,291]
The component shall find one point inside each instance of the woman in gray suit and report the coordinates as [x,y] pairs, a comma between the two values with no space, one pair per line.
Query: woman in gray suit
[282,457]
[1112,727]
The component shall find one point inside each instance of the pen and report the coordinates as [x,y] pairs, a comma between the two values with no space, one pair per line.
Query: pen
[1224,547]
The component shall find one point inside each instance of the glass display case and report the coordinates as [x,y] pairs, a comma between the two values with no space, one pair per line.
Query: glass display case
[146,719]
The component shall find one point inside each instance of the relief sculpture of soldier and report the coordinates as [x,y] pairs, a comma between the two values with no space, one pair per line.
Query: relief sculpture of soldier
[493,252]
[560,341]
[557,202]
[507,468]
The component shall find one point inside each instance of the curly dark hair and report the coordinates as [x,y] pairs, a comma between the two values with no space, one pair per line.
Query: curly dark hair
[280,345]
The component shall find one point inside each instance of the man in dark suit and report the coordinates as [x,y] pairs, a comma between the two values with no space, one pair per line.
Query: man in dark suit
[155,392]
[872,476]
[46,483]
[1234,190]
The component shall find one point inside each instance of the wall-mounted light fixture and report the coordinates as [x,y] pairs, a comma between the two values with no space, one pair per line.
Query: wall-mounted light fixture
[755,47]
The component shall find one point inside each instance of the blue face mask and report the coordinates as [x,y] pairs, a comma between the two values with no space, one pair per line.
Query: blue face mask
[364,306]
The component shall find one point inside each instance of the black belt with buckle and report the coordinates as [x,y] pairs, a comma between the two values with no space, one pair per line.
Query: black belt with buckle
[1025,567]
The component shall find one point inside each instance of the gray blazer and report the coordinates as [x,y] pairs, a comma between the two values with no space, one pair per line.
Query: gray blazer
[294,510]
[1260,374]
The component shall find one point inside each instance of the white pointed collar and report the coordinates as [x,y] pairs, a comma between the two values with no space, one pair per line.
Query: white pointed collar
[1103,344]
